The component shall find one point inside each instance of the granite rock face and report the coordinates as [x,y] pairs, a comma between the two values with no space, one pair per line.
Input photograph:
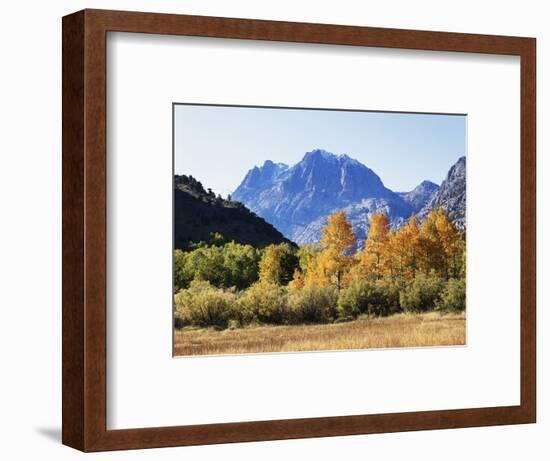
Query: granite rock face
[420,195]
[297,200]
[451,196]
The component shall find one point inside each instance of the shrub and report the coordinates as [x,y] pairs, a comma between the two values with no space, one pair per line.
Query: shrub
[233,324]
[203,305]
[453,297]
[353,300]
[313,304]
[375,298]
[178,321]
[422,293]
[264,303]
[389,290]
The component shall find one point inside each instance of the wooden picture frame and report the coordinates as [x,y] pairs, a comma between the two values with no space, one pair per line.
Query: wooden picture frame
[85,221]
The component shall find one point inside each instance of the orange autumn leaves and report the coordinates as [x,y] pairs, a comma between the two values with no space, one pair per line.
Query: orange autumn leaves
[435,246]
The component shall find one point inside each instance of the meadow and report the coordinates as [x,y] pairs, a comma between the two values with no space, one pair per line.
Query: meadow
[399,330]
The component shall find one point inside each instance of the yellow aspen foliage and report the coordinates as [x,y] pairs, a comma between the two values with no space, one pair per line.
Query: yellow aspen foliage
[452,242]
[277,264]
[394,254]
[311,272]
[367,264]
[271,270]
[372,258]
[338,242]
[379,228]
[320,270]
[431,249]
[307,256]
[436,245]
[297,282]
[408,246]
[338,234]
[317,271]
[441,245]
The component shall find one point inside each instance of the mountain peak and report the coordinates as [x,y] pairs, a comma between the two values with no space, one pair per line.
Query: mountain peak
[319,153]
[261,175]
[326,155]
[427,184]
[291,198]
[297,199]
[269,164]
[420,195]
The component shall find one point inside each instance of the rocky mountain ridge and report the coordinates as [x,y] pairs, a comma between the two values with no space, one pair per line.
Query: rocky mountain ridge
[298,199]
[451,196]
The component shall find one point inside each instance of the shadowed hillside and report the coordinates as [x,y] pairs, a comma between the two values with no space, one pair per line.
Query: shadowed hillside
[199,213]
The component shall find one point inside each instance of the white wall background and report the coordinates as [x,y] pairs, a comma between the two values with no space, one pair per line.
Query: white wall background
[30,232]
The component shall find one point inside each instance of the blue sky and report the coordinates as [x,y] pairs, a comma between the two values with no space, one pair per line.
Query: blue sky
[218,145]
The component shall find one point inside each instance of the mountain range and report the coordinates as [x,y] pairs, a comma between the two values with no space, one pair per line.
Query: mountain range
[298,199]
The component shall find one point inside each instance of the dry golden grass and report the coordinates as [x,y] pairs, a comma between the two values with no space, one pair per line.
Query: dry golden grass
[401,330]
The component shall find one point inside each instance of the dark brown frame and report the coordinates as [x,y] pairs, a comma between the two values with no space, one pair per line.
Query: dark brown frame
[84,229]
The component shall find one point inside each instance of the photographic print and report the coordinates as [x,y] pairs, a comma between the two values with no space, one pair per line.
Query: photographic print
[317,229]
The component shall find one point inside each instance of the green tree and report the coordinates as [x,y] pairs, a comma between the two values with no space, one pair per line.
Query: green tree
[182,277]
[240,263]
[230,265]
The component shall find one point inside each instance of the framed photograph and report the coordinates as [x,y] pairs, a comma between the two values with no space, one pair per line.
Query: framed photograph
[278,230]
[311,250]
